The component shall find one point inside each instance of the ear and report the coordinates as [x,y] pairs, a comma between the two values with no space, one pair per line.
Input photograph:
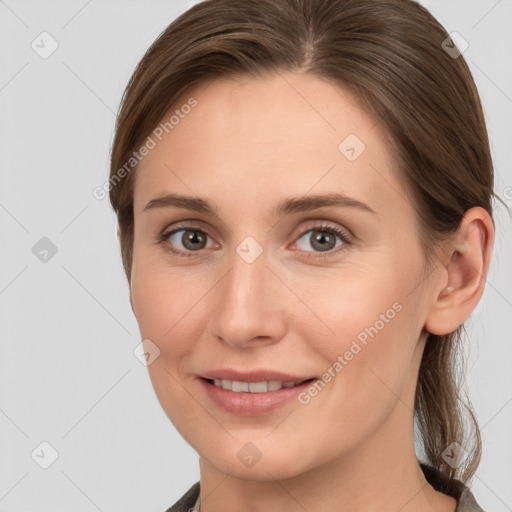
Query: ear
[469,256]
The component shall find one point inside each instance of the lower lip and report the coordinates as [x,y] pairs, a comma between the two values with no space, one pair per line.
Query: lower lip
[251,404]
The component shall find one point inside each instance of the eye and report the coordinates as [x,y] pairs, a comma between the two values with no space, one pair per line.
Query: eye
[185,240]
[323,239]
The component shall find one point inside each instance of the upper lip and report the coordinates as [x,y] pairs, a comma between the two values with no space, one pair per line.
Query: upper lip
[252,376]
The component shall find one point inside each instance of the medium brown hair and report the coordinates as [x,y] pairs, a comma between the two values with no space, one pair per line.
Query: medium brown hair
[392,55]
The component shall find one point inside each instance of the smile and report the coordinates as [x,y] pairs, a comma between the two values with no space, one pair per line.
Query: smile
[252,398]
[253,387]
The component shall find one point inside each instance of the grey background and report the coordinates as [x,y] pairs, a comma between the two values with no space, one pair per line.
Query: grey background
[68,375]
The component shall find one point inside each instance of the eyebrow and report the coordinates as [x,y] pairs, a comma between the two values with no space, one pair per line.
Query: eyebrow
[285,207]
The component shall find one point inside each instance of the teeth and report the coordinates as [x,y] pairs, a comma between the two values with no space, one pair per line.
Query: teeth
[253,387]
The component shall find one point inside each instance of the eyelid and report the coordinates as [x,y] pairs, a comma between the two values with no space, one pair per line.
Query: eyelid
[189,224]
[328,226]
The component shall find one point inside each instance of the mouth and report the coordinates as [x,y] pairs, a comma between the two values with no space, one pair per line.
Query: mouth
[255,387]
[252,398]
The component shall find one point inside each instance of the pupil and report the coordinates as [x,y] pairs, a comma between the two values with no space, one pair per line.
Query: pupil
[322,239]
[192,237]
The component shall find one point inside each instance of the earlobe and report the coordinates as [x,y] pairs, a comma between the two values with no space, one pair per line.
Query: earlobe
[466,270]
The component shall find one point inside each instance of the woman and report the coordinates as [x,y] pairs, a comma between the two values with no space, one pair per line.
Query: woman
[303,190]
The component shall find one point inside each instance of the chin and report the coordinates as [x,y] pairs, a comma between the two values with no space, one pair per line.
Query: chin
[258,460]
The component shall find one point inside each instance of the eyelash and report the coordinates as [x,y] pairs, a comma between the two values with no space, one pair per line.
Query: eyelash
[162,238]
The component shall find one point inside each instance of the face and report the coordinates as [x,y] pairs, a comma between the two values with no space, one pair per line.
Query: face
[273,280]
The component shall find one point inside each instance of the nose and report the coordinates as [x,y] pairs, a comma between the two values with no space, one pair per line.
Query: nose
[249,304]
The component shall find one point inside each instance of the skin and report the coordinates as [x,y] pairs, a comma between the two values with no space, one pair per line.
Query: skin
[247,145]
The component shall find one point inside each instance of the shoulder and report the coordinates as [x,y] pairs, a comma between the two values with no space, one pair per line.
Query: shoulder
[187,501]
[441,482]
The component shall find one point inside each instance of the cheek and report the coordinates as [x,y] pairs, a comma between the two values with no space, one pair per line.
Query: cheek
[163,303]
[365,332]
[159,294]
[170,305]
[367,366]
[350,303]
[153,302]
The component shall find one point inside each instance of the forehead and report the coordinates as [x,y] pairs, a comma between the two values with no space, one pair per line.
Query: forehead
[285,134]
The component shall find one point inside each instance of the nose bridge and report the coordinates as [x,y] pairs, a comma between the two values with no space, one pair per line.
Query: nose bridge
[247,298]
